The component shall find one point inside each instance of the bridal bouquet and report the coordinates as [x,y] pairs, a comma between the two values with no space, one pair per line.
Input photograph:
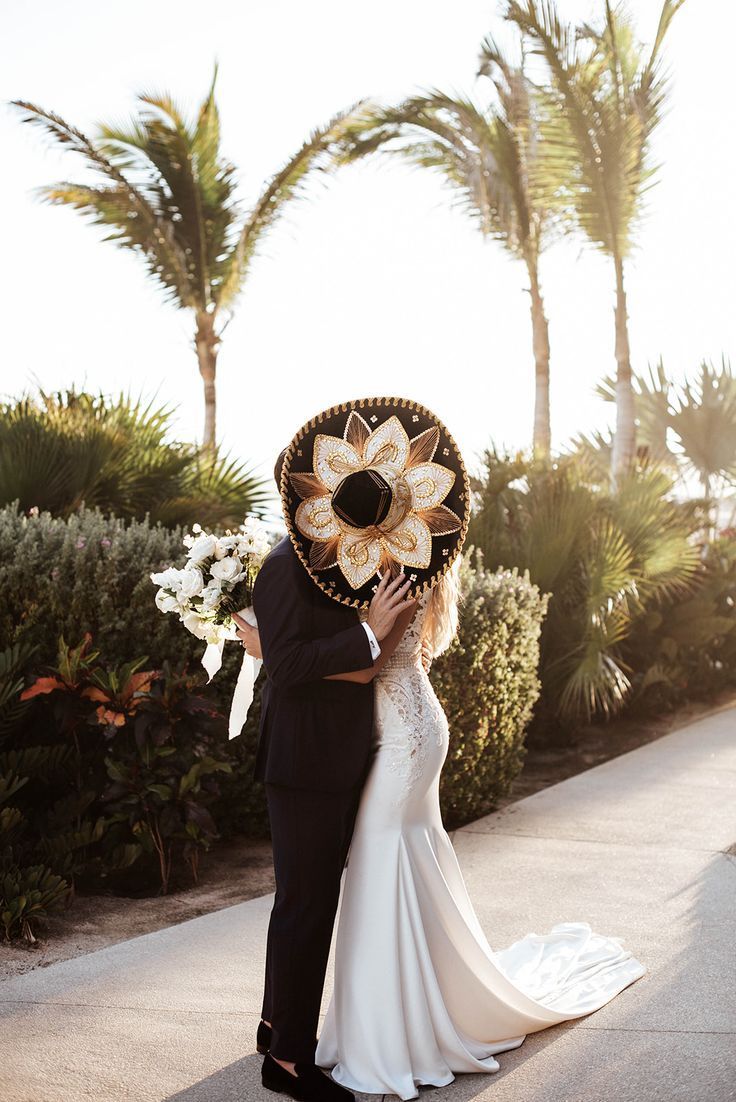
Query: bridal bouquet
[216,582]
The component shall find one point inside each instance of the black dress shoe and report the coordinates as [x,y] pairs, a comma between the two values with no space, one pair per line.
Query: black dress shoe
[308,1085]
[263,1038]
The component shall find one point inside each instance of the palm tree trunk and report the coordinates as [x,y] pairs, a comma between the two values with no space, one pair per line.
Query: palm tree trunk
[625,439]
[206,343]
[540,337]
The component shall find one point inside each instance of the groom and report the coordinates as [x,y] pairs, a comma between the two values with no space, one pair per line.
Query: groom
[313,756]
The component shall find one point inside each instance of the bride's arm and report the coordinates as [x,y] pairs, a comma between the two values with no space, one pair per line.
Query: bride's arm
[388,646]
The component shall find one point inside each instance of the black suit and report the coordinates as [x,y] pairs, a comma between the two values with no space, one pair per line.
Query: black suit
[313,755]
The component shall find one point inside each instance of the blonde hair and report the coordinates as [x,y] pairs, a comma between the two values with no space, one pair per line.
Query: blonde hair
[441,618]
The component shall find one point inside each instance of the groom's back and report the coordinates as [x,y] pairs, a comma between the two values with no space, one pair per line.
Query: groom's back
[315,733]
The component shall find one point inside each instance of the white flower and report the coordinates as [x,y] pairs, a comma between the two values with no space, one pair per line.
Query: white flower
[165,602]
[169,578]
[211,595]
[214,633]
[225,545]
[191,582]
[227,570]
[194,624]
[202,548]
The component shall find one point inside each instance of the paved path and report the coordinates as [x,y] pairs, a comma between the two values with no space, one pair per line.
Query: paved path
[638,847]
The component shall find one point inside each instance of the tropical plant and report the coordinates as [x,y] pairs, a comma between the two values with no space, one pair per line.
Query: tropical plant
[61,451]
[123,779]
[704,423]
[168,193]
[610,96]
[26,896]
[604,558]
[690,429]
[489,157]
[686,649]
[160,768]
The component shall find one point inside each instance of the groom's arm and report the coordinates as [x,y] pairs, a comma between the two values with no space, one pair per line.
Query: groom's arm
[290,656]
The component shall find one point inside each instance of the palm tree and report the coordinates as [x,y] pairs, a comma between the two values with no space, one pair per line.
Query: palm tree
[489,156]
[522,215]
[610,96]
[168,193]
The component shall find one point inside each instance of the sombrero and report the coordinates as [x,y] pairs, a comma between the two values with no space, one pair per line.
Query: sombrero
[371,486]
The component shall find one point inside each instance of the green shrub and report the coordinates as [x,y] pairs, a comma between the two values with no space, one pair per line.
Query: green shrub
[63,450]
[119,792]
[487,683]
[686,648]
[27,895]
[88,573]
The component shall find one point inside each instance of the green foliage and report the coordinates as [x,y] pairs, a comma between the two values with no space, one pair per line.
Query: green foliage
[487,683]
[603,557]
[686,649]
[119,791]
[689,428]
[161,772]
[59,452]
[88,573]
[704,423]
[27,895]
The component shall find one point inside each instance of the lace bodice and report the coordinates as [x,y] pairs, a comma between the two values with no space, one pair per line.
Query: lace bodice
[409,650]
[408,716]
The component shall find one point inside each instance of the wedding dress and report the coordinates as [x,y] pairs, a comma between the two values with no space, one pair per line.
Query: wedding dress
[419,993]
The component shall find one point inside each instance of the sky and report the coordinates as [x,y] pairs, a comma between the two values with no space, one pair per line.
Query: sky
[373,284]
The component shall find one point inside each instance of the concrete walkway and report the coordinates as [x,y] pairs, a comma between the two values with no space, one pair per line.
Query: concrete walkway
[637,847]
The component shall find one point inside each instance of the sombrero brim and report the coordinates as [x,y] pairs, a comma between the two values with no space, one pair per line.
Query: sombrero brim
[419,453]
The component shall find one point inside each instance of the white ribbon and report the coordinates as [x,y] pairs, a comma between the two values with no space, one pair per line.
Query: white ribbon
[244,686]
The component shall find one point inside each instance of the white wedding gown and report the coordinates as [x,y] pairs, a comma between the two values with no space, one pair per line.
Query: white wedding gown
[419,993]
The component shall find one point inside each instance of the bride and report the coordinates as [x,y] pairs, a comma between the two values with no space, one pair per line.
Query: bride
[419,992]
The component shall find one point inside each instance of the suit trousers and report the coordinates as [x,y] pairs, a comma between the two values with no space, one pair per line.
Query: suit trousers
[310,833]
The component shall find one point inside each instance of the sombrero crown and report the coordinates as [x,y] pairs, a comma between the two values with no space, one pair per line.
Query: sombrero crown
[371,486]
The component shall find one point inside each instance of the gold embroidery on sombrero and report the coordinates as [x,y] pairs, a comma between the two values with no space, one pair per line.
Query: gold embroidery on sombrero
[418,486]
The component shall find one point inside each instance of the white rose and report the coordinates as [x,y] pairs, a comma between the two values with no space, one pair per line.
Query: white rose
[169,578]
[203,548]
[225,545]
[211,595]
[165,602]
[227,570]
[192,622]
[191,582]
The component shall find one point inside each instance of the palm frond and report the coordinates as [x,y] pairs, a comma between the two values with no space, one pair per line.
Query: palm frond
[139,225]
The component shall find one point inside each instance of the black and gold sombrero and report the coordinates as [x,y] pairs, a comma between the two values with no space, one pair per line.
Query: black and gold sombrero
[371,486]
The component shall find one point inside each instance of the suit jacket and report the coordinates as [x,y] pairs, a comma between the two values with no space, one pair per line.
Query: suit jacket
[314,733]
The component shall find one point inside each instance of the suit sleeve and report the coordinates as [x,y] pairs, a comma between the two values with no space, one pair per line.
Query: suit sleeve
[290,656]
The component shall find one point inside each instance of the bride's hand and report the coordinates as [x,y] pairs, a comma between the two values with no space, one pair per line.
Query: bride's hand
[248,636]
